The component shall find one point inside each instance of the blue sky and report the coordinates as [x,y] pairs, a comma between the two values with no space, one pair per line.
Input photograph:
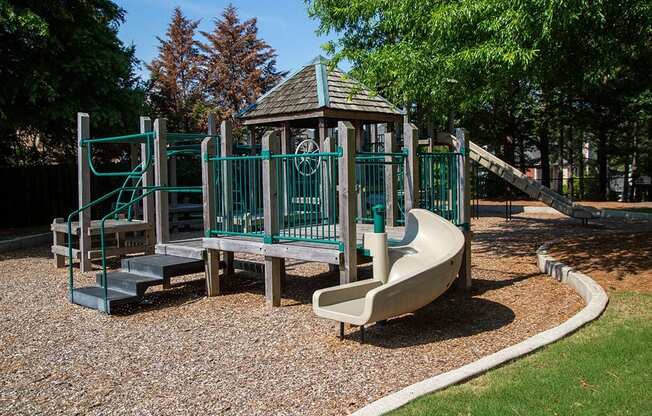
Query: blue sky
[284,24]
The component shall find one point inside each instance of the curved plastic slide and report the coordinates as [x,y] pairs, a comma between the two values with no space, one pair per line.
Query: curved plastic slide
[419,269]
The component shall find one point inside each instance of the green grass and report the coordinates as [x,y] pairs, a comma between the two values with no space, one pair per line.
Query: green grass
[603,369]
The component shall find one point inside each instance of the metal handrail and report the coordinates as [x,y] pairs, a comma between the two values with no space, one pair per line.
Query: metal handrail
[150,190]
[133,173]
[120,139]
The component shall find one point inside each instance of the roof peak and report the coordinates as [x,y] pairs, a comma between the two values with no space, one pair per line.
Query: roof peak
[319,59]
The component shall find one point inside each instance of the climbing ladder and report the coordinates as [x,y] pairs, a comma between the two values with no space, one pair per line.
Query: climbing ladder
[532,188]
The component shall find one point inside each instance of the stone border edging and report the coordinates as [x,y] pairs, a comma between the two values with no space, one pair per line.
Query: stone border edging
[595,299]
[26,241]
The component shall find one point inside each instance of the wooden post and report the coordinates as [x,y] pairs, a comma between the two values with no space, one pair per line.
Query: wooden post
[326,144]
[226,149]
[84,183]
[161,180]
[359,135]
[391,190]
[208,149]
[285,149]
[347,201]
[464,204]
[134,150]
[412,180]
[270,144]
[172,180]
[148,182]
[431,136]
[373,137]
[59,240]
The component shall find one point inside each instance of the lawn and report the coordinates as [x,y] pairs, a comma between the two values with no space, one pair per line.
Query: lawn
[603,369]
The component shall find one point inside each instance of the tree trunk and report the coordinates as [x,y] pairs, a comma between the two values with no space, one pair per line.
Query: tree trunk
[560,175]
[603,166]
[571,162]
[544,150]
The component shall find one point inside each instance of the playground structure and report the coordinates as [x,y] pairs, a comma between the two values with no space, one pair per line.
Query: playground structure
[304,190]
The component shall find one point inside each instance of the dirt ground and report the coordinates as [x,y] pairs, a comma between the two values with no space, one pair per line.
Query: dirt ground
[180,352]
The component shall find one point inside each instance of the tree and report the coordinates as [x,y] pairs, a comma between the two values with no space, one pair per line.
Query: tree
[174,86]
[59,58]
[557,60]
[238,66]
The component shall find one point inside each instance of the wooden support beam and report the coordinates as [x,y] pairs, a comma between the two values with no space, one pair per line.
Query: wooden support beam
[347,202]
[271,145]
[464,204]
[208,149]
[286,148]
[226,149]
[359,135]
[84,184]
[149,213]
[326,144]
[172,181]
[391,189]
[161,180]
[59,240]
[412,179]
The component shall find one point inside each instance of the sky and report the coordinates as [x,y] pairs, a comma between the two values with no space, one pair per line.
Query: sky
[283,24]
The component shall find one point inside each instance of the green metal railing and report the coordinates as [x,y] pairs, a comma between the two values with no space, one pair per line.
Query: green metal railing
[239,200]
[307,197]
[131,138]
[371,182]
[440,186]
[147,191]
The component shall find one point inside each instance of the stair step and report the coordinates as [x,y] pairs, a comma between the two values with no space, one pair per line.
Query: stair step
[93,297]
[162,266]
[133,284]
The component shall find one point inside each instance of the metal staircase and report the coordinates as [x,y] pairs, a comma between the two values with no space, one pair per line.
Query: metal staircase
[532,188]
[128,286]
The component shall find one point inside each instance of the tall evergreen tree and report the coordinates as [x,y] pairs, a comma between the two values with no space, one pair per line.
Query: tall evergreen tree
[238,65]
[174,86]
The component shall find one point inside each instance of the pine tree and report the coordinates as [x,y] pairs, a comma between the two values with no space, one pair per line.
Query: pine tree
[238,66]
[174,89]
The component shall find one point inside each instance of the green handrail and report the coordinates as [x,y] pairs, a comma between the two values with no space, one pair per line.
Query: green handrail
[116,211]
[133,173]
[120,139]
[186,137]
[150,190]
[70,217]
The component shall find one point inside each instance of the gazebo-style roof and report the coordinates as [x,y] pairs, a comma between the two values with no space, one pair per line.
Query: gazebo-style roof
[314,91]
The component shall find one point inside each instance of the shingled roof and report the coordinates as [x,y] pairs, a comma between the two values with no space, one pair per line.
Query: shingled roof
[315,91]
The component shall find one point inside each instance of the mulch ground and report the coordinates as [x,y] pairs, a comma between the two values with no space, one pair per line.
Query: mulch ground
[183,353]
[620,260]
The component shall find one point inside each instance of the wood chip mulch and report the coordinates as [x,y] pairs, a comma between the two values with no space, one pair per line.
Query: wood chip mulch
[183,353]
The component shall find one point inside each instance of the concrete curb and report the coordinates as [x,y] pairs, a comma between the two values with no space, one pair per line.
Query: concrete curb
[629,215]
[595,300]
[27,241]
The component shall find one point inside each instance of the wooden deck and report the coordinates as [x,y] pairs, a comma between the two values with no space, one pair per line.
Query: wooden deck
[110,226]
[194,247]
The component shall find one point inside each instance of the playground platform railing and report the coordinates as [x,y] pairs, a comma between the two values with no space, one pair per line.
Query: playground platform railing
[306,197]
[441,189]
[371,172]
[307,201]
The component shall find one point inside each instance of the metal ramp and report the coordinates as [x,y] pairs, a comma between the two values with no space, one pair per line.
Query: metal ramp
[128,286]
[532,188]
